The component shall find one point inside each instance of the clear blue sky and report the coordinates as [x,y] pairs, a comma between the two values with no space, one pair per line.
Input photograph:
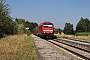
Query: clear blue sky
[57,11]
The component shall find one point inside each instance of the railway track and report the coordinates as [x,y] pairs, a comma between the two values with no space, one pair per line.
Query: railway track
[80,44]
[80,48]
[85,41]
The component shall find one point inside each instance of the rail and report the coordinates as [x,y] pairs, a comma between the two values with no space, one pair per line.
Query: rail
[75,43]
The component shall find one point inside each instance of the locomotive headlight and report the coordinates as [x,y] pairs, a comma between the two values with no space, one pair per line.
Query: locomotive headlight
[44,32]
[51,32]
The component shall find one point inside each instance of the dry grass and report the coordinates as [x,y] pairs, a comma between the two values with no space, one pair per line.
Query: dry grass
[17,47]
[73,36]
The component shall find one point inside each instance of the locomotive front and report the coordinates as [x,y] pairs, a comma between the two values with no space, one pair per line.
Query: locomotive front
[47,29]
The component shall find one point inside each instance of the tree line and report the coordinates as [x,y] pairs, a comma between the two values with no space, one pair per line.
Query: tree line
[82,26]
[21,24]
[10,26]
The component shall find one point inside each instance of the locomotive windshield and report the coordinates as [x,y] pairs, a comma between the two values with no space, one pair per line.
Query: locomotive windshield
[48,25]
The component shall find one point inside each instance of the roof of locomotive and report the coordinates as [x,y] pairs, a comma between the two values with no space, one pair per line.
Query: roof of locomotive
[47,22]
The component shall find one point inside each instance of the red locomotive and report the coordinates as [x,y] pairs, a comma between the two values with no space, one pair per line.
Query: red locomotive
[45,30]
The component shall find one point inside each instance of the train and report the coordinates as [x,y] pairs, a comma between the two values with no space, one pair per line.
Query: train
[45,30]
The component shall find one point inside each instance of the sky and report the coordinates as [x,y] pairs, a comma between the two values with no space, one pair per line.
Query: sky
[58,12]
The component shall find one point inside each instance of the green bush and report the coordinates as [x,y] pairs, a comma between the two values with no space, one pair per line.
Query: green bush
[28,32]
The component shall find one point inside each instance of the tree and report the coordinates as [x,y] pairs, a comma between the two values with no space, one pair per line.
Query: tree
[6,23]
[83,25]
[68,29]
[59,30]
[35,24]
[56,30]
[22,24]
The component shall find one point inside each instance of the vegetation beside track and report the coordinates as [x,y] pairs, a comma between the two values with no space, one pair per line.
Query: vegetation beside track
[17,47]
[82,36]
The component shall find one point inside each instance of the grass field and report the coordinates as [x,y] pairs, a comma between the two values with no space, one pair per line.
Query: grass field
[73,36]
[83,34]
[17,47]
